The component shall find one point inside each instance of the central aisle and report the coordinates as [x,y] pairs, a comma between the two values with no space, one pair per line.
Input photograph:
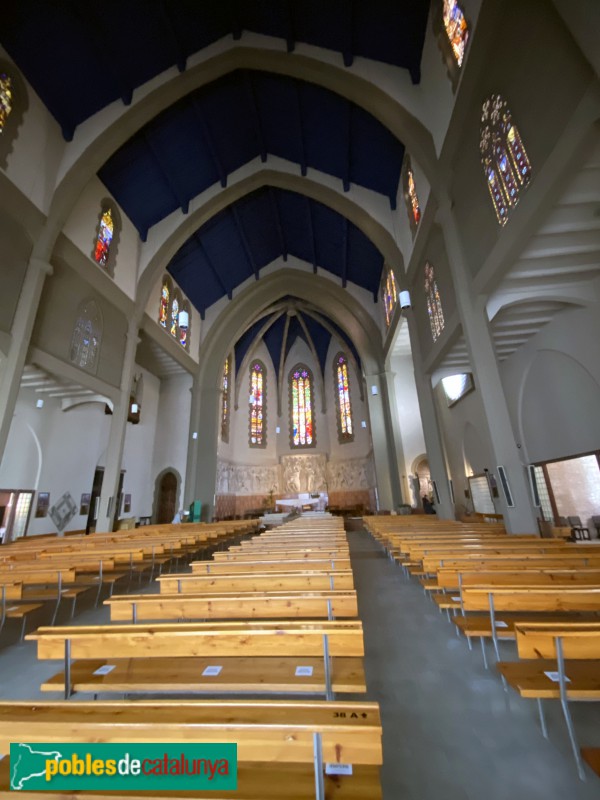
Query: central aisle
[449,730]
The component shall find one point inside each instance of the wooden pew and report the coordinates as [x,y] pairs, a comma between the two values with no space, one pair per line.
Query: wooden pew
[253,656]
[570,652]
[283,748]
[289,565]
[256,582]
[325,604]
[12,605]
[505,606]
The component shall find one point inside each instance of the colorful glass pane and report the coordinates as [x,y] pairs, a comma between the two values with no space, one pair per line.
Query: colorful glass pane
[174,317]
[105,237]
[343,390]
[390,296]
[505,162]
[225,400]
[6,98]
[163,311]
[257,405]
[183,333]
[302,412]
[456,29]
[434,303]
[415,208]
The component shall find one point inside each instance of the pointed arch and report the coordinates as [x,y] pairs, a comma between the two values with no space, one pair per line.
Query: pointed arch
[258,404]
[341,384]
[106,241]
[302,405]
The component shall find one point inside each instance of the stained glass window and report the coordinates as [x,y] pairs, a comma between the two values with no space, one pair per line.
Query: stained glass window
[390,295]
[86,339]
[225,387]
[6,98]
[301,407]
[258,379]
[163,309]
[434,303]
[506,165]
[342,385]
[415,209]
[174,327]
[105,237]
[456,29]
[184,324]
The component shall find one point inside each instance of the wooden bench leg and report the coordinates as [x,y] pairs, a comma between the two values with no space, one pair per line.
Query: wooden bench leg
[565,707]
[318,765]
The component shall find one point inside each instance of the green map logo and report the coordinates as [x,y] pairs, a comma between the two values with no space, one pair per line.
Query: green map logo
[122,767]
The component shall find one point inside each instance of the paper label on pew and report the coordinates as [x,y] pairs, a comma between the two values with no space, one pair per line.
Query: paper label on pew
[304,672]
[212,671]
[338,769]
[13,608]
[456,598]
[554,677]
[105,669]
[499,623]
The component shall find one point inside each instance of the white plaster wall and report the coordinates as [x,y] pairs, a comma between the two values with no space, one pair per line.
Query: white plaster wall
[172,429]
[50,450]
[407,411]
[37,151]
[138,450]
[81,228]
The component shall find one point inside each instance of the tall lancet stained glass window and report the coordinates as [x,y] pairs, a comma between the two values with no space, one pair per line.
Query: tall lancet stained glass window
[301,407]
[390,295]
[258,381]
[174,326]
[456,29]
[225,388]
[434,302]
[344,408]
[6,98]
[165,303]
[505,162]
[104,238]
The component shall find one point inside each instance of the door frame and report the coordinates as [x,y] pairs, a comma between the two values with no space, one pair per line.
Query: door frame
[157,482]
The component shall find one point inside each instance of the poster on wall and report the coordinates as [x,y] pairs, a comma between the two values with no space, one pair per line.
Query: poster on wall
[43,503]
[84,506]
[127,504]
[63,511]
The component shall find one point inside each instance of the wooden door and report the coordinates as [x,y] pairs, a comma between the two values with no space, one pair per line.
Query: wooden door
[167,498]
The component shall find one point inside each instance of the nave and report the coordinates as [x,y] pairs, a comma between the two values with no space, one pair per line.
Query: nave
[448,726]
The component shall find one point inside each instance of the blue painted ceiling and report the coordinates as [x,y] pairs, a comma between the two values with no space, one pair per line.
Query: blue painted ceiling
[316,331]
[81,56]
[262,226]
[213,131]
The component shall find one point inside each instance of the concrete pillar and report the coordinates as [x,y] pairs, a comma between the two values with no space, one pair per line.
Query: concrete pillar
[201,477]
[398,447]
[389,491]
[522,518]
[22,327]
[116,439]
[431,427]
[189,494]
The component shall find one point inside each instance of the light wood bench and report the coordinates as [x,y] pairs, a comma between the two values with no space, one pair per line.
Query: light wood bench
[12,606]
[558,661]
[325,604]
[289,565]
[283,748]
[253,656]
[256,582]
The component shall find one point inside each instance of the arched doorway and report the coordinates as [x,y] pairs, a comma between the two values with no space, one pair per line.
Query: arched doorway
[166,496]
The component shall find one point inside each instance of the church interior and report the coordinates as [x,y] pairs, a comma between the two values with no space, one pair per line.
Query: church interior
[313,280]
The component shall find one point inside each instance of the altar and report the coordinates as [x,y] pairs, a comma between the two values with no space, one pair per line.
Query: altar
[317,501]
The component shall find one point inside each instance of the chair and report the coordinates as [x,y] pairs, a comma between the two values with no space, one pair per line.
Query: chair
[596,524]
[579,531]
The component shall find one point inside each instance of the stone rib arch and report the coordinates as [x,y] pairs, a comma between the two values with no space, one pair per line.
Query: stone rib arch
[373,230]
[89,150]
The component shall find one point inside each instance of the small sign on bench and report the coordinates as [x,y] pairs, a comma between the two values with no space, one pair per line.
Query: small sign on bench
[304,672]
[105,669]
[338,769]
[555,677]
[211,672]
